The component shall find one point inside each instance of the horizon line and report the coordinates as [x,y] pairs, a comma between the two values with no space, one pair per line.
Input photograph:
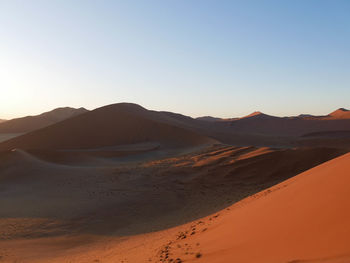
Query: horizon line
[177,112]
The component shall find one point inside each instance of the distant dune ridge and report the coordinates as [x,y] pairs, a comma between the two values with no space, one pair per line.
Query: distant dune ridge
[122,121]
[258,123]
[116,124]
[31,123]
[261,123]
[340,113]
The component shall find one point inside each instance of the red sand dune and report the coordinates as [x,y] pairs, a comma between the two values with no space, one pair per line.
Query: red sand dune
[340,114]
[304,219]
[31,123]
[255,114]
[112,125]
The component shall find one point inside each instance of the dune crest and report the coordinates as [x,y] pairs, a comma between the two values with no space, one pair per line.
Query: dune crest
[253,114]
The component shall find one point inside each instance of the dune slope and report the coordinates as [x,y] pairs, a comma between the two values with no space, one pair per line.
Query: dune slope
[31,123]
[66,213]
[108,126]
[340,114]
[304,219]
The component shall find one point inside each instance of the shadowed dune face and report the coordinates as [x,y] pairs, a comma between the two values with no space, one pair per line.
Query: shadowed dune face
[108,126]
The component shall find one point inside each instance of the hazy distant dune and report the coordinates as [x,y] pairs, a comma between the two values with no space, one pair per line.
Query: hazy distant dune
[31,123]
[260,123]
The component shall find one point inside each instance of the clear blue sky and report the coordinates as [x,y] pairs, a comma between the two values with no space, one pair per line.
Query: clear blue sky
[221,58]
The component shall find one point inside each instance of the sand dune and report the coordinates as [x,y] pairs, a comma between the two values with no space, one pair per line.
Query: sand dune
[7,136]
[31,123]
[47,205]
[304,219]
[259,129]
[256,129]
[126,184]
[260,124]
[111,125]
[340,113]
[264,124]
[257,114]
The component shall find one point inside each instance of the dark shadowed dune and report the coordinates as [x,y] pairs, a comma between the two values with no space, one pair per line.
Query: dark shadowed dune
[107,126]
